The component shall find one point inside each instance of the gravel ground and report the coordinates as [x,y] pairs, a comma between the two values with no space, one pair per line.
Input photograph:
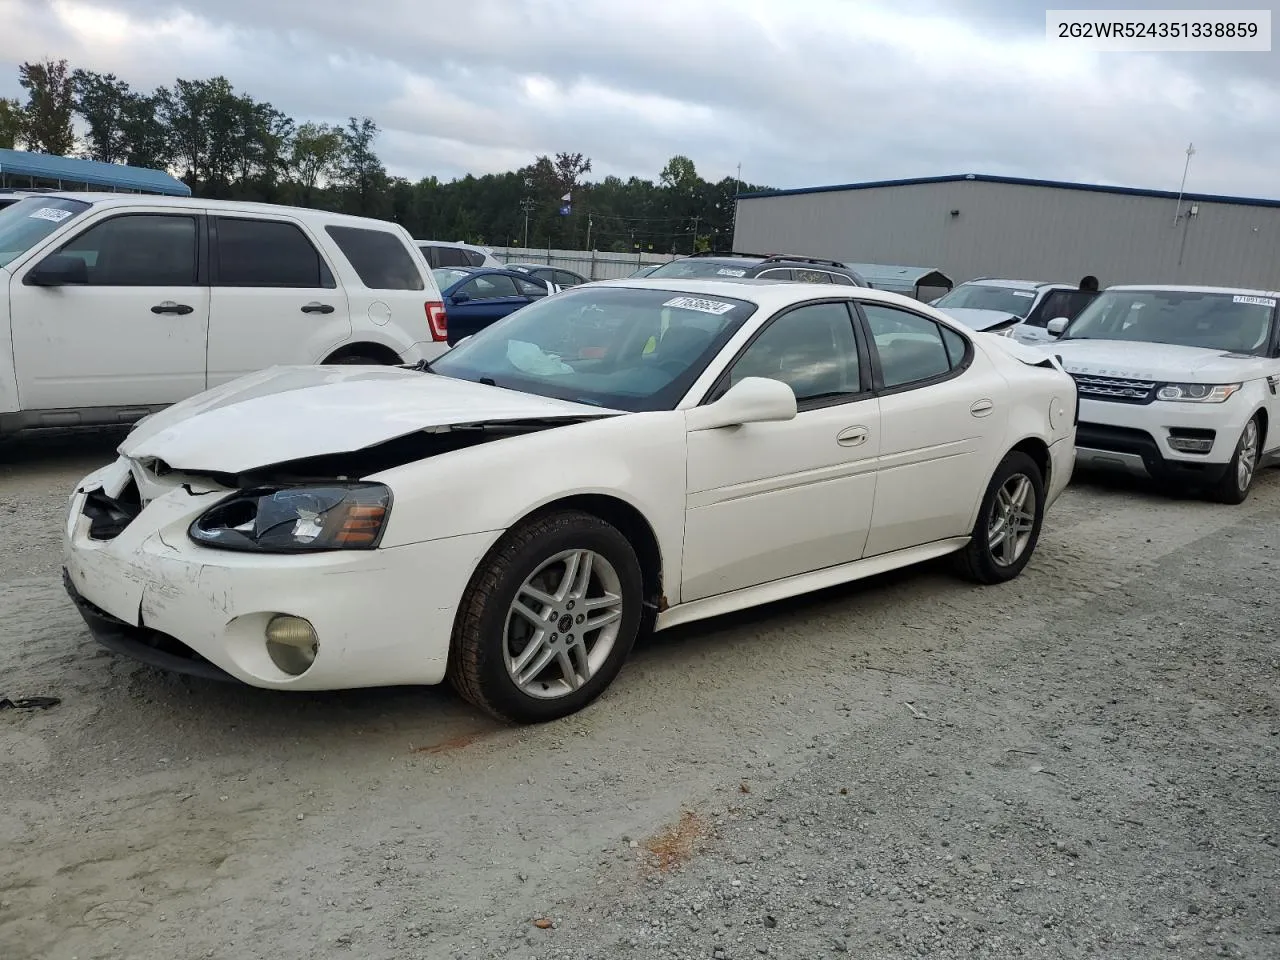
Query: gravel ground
[1082,763]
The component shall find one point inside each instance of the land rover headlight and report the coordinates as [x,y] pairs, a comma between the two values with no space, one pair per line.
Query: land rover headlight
[1196,392]
[338,516]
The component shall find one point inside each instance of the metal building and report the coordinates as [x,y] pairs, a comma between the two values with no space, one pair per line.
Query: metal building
[972,225]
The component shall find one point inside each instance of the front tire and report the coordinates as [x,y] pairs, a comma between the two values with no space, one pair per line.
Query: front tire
[548,619]
[1008,526]
[1234,486]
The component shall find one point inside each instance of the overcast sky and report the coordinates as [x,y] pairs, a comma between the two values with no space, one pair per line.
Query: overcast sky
[803,93]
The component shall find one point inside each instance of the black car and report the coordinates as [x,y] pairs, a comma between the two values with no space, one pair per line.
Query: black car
[710,265]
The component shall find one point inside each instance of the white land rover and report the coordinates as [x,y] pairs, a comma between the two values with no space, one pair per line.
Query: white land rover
[1176,383]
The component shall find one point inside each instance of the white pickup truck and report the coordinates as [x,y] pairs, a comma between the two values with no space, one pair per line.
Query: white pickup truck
[113,306]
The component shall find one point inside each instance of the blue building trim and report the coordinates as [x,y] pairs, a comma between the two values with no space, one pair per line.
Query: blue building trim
[90,173]
[1021,182]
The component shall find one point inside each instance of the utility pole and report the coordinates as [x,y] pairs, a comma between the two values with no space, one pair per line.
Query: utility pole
[1177,213]
[694,249]
[526,205]
[588,231]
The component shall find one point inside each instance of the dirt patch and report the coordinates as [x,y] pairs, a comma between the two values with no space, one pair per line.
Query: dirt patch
[678,842]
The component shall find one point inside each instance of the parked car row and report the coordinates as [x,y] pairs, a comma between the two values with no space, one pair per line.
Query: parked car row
[504,482]
[1177,383]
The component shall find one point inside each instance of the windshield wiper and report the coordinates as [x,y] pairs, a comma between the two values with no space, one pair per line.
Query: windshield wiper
[422,366]
[487,381]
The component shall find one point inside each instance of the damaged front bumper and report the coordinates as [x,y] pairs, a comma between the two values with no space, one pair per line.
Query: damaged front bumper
[382,617]
[141,643]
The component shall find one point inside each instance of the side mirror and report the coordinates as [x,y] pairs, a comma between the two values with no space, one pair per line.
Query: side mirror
[750,400]
[460,298]
[58,271]
[1056,326]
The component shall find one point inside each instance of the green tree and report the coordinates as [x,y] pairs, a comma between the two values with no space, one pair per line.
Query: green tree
[146,139]
[101,99]
[360,174]
[50,104]
[12,119]
[313,158]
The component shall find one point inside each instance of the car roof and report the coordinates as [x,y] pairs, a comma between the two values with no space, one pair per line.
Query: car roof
[1014,284]
[454,243]
[1187,288]
[764,292]
[308,214]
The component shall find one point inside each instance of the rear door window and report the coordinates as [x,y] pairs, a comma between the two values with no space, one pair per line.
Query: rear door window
[452,257]
[378,257]
[530,288]
[266,253]
[474,257]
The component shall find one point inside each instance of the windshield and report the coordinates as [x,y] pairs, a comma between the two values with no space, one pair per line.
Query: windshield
[27,222]
[981,296]
[447,276]
[1237,323]
[698,267]
[616,347]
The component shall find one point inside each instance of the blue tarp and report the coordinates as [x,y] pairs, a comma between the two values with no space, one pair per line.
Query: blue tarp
[72,173]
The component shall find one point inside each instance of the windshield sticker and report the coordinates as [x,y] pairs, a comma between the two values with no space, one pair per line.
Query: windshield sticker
[1023,293]
[730,272]
[52,214]
[716,308]
[1260,301]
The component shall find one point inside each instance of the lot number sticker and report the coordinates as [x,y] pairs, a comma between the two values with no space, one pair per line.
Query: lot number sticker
[50,213]
[1260,301]
[715,307]
[730,272]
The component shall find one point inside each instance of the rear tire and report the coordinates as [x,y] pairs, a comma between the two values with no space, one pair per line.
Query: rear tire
[356,360]
[1235,484]
[523,646]
[1008,526]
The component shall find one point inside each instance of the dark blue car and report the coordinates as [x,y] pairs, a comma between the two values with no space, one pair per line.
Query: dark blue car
[475,297]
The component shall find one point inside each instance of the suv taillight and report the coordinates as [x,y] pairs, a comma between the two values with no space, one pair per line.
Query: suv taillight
[437,320]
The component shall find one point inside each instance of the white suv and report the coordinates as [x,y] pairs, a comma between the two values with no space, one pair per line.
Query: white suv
[115,305]
[1177,383]
[445,253]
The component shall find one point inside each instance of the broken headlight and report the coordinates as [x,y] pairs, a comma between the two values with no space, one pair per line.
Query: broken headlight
[338,516]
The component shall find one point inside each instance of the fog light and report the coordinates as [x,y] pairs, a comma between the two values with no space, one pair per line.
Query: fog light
[1191,444]
[292,644]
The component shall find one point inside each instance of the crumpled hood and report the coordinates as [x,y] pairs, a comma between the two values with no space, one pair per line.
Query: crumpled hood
[976,319]
[1162,362]
[287,413]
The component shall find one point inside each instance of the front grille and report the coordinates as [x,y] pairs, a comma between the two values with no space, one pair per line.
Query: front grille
[1114,389]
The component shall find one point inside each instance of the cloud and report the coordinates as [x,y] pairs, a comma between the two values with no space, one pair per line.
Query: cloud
[825,92]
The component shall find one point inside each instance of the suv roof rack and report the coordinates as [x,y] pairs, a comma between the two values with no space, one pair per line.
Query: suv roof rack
[729,253]
[775,257]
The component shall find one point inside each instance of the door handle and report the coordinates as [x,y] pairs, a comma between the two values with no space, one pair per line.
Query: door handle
[852,436]
[315,307]
[981,408]
[170,307]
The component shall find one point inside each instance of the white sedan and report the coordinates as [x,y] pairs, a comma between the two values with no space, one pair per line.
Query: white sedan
[624,456]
